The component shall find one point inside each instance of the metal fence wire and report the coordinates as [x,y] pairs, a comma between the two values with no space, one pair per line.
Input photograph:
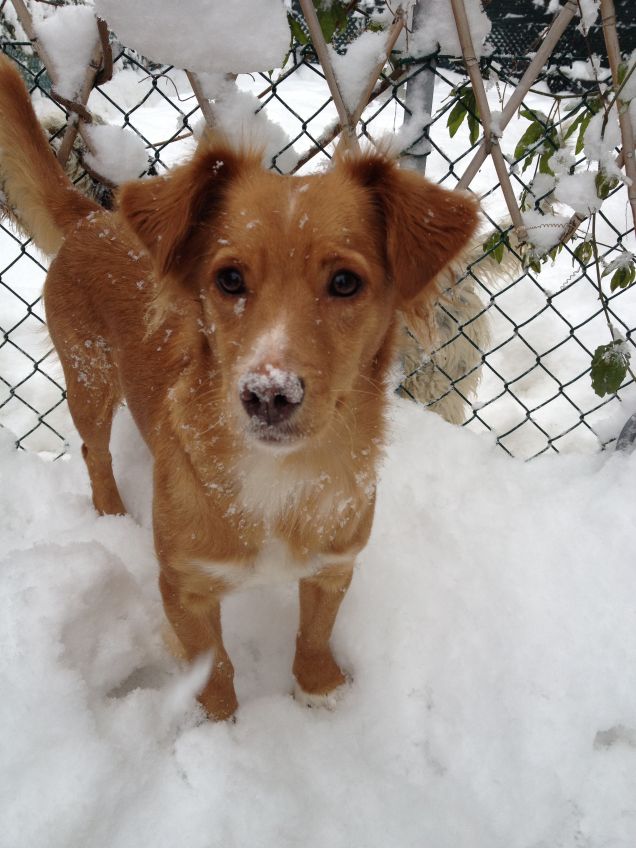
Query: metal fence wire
[514,338]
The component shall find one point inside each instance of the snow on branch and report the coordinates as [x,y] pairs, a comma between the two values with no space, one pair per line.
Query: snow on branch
[206,36]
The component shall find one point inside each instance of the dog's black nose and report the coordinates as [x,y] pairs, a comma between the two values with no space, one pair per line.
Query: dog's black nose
[271,395]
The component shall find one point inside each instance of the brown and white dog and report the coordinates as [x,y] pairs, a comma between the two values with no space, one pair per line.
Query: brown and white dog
[249,321]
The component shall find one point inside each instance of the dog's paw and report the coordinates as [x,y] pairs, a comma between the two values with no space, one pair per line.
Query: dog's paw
[327,701]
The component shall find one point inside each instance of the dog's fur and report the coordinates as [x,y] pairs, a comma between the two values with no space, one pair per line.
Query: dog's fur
[443,345]
[136,313]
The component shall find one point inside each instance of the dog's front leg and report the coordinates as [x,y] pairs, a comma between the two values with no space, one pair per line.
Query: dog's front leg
[315,668]
[196,620]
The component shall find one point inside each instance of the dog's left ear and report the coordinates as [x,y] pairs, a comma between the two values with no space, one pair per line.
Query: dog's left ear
[426,226]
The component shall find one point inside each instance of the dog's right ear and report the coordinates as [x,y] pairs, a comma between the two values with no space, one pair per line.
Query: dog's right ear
[167,213]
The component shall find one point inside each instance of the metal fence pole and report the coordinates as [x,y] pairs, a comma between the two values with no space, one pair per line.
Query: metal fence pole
[419,97]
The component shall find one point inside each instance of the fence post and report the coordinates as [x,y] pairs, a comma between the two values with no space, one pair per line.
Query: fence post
[419,95]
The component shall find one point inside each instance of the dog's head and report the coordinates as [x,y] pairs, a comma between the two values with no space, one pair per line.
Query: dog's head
[298,278]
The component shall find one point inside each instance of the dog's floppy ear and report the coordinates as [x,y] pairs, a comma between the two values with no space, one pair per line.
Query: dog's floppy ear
[426,225]
[166,213]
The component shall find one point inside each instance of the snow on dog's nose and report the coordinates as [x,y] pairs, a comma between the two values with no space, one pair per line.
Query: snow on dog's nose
[270,395]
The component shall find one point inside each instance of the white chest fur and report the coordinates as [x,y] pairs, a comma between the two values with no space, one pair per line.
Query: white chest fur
[270,485]
[273,564]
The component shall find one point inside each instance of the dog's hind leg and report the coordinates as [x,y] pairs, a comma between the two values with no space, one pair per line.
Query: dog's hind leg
[93,396]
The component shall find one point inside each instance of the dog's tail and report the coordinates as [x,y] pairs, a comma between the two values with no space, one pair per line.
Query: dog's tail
[38,193]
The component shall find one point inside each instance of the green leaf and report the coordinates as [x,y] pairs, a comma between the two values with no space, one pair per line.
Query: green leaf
[533,264]
[584,252]
[528,161]
[296,30]
[332,18]
[572,128]
[604,184]
[623,277]
[544,168]
[530,137]
[609,367]
[495,246]
[468,96]
[456,117]
[580,142]
[474,128]
[535,115]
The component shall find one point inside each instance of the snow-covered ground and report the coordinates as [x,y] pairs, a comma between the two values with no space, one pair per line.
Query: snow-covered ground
[490,630]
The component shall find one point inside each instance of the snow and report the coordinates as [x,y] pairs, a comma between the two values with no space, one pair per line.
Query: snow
[238,115]
[270,381]
[437,28]
[489,631]
[623,260]
[579,192]
[589,13]
[544,230]
[69,35]
[118,154]
[495,124]
[409,134]
[584,69]
[602,136]
[355,67]
[211,36]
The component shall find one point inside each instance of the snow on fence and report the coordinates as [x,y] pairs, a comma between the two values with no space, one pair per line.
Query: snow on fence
[533,343]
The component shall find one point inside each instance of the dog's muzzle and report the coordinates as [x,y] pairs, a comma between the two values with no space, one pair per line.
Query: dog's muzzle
[270,396]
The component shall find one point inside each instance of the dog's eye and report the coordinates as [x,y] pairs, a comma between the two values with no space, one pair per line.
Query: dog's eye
[345,284]
[230,280]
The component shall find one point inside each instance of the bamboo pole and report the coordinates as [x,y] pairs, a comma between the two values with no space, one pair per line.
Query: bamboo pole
[490,138]
[332,130]
[202,100]
[399,22]
[557,28]
[320,46]
[73,125]
[24,16]
[76,121]
[608,18]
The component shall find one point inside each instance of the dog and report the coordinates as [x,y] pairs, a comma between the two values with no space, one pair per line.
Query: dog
[443,345]
[249,320]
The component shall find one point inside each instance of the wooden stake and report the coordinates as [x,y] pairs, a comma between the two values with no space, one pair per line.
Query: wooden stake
[557,28]
[399,22]
[202,100]
[320,46]
[75,122]
[491,140]
[332,130]
[608,17]
[92,70]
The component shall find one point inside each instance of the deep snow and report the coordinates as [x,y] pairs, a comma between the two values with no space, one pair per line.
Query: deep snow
[490,630]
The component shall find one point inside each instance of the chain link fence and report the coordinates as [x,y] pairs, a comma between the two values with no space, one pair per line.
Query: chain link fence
[527,332]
